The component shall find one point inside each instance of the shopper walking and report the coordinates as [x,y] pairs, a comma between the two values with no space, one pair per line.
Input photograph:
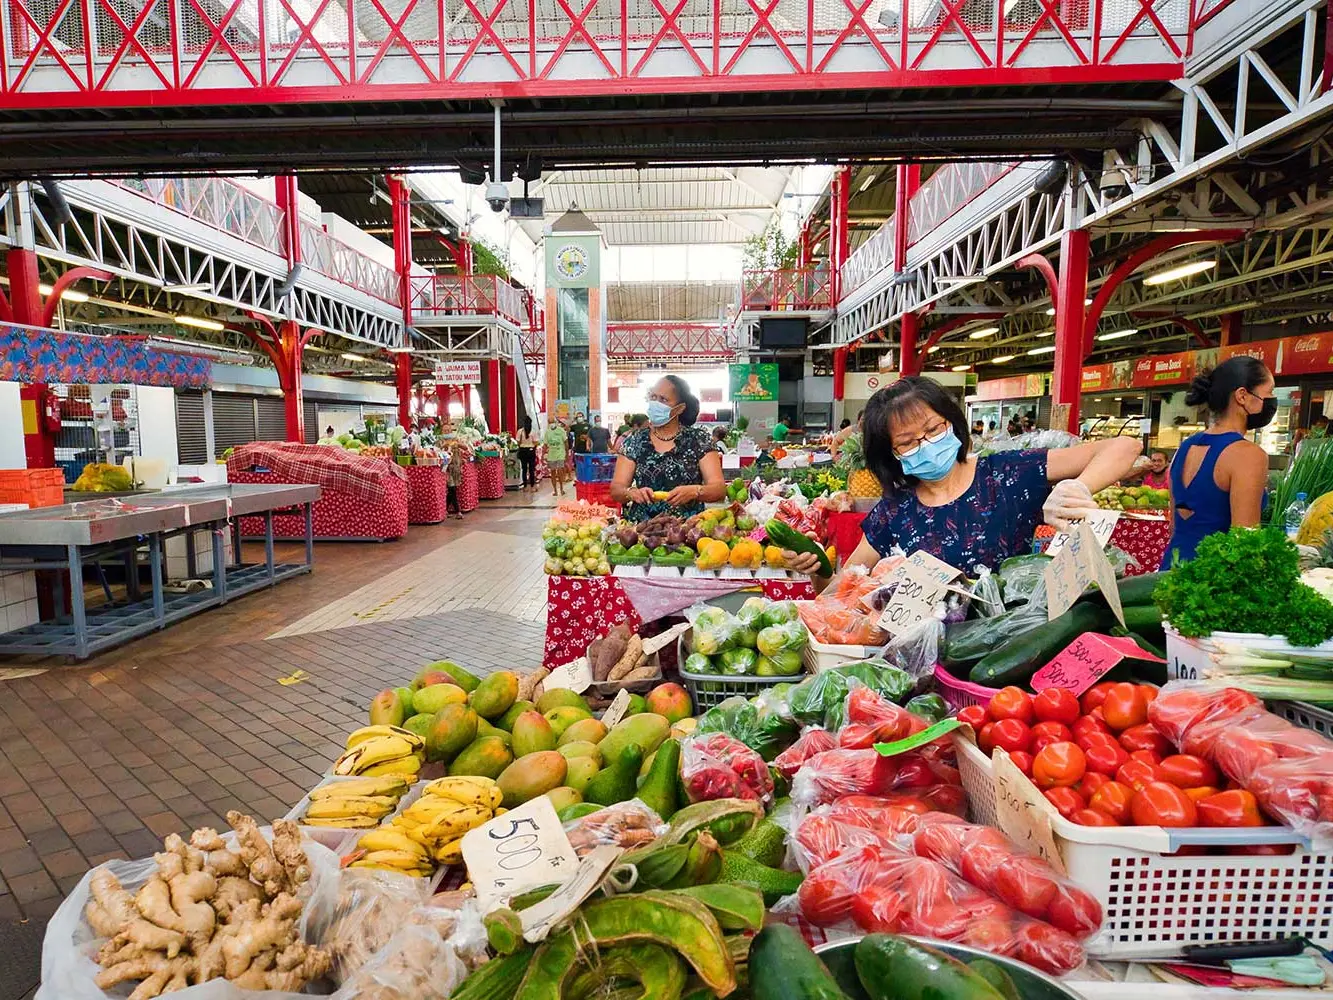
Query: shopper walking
[1217,476]
[454,480]
[527,454]
[599,438]
[555,443]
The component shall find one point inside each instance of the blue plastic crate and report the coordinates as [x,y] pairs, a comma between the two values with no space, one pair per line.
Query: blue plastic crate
[594,468]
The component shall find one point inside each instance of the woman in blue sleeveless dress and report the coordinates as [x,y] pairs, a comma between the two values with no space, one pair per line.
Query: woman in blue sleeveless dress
[1218,476]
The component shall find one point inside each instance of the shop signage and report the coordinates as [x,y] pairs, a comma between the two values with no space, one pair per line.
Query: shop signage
[1096,378]
[458,372]
[1267,351]
[863,385]
[1301,355]
[1013,387]
[1163,369]
[754,383]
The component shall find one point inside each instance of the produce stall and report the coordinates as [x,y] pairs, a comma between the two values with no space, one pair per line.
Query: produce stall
[490,475]
[362,498]
[426,503]
[71,536]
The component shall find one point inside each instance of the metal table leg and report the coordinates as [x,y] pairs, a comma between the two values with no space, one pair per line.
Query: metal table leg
[236,542]
[155,560]
[191,563]
[132,591]
[77,610]
[268,545]
[220,561]
[310,535]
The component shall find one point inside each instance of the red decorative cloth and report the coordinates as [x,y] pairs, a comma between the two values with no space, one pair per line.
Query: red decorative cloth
[845,531]
[490,478]
[469,490]
[327,466]
[1146,540]
[337,515]
[427,504]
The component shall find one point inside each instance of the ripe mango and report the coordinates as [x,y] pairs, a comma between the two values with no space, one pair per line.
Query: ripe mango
[486,757]
[387,709]
[565,716]
[506,721]
[580,748]
[419,724]
[484,728]
[559,697]
[580,771]
[530,776]
[434,697]
[585,730]
[495,695]
[452,729]
[564,797]
[646,730]
[447,672]
[428,676]
[532,734]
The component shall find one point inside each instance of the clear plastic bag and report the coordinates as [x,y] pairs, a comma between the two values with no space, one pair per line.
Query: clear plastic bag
[969,641]
[820,700]
[917,649]
[626,825]
[715,630]
[719,766]
[1032,441]
[426,958]
[814,740]
[986,594]
[70,946]
[835,625]
[371,906]
[871,718]
[764,729]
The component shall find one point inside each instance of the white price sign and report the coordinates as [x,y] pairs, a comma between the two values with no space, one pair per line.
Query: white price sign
[922,582]
[523,849]
[1080,563]
[1103,524]
[617,709]
[1023,813]
[576,675]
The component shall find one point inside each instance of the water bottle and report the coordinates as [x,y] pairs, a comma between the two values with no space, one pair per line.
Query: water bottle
[1295,515]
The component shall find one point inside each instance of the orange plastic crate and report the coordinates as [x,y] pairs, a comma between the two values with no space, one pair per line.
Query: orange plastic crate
[35,487]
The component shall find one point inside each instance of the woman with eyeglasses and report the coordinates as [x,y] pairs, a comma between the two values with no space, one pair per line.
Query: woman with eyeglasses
[967,510]
[669,456]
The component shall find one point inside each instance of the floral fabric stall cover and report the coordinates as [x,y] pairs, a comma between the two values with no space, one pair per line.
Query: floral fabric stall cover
[337,514]
[49,356]
[491,478]
[469,492]
[427,503]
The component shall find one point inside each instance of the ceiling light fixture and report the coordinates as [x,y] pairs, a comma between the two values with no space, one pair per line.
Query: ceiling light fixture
[400,350]
[1049,349]
[1118,334]
[1183,271]
[1045,333]
[870,179]
[961,368]
[353,357]
[198,322]
[1003,358]
[932,349]
[983,333]
[68,295]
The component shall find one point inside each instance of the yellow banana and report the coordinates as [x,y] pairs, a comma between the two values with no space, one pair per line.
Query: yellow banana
[389,784]
[468,790]
[450,853]
[454,825]
[406,766]
[343,822]
[397,859]
[386,838]
[365,733]
[358,805]
[429,808]
[378,750]
[419,871]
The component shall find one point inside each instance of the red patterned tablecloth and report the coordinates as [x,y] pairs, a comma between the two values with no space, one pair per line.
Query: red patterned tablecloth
[580,609]
[1145,540]
[427,503]
[337,515]
[469,491]
[845,532]
[490,478]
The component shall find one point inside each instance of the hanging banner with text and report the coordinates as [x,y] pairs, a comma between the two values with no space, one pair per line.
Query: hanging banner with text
[458,372]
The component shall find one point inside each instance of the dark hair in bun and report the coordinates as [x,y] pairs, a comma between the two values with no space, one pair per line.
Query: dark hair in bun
[1214,388]
[683,395]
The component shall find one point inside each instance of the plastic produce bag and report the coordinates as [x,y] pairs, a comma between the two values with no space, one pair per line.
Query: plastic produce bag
[737,662]
[1289,770]
[819,700]
[917,649]
[814,740]
[429,955]
[751,613]
[626,825]
[872,718]
[854,822]
[784,637]
[69,946]
[848,771]
[1032,441]
[964,643]
[714,629]
[761,727]
[371,906]
[835,625]
[986,594]
[718,766]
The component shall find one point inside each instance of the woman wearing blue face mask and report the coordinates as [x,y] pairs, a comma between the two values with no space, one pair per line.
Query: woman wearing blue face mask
[669,456]
[966,510]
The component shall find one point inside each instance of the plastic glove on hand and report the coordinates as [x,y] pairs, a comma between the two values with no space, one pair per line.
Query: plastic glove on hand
[1070,500]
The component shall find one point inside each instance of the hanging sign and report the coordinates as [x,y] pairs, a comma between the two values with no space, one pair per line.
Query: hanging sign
[922,582]
[1080,563]
[1103,524]
[458,372]
[1087,660]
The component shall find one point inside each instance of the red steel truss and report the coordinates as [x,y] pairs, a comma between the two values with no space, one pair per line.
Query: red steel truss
[103,53]
[796,289]
[659,340]
[437,298]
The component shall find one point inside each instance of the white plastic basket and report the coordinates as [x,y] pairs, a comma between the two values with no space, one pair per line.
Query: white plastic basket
[1155,902]
[1306,716]
[826,655]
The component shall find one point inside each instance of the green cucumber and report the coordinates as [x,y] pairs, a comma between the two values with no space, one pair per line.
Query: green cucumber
[784,536]
[782,967]
[1017,660]
[1145,620]
[774,883]
[968,641]
[993,973]
[893,968]
[1137,589]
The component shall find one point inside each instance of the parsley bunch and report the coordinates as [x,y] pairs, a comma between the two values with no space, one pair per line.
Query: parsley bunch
[1246,580]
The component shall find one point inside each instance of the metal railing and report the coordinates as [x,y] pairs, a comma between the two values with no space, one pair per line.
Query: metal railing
[334,259]
[871,257]
[443,295]
[946,191]
[792,289]
[216,202]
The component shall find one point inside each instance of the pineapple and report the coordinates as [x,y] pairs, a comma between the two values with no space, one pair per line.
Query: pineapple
[861,482]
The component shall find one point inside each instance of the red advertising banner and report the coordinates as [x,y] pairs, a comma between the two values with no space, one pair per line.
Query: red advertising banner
[1013,387]
[1096,378]
[1163,369]
[1268,352]
[1300,355]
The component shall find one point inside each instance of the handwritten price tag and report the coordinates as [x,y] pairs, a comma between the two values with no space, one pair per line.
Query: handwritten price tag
[664,639]
[617,709]
[523,849]
[1086,660]
[539,919]
[1103,524]
[922,582]
[1023,812]
[576,675]
[1080,563]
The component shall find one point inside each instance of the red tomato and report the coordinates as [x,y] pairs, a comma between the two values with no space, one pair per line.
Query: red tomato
[1151,757]
[1235,808]
[1023,761]
[1150,692]
[879,909]
[1066,800]
[1094,696]
[1092,817]
[1039,743]
[1075,910]
[1188,771]
[1145,737]
[973,715]
[1085,725]
[1113,800]
[1136,774]
[1059,765]
[1201,792]
[1056,705]
[1159,803]
[1100,716]
[1011,703]
[1025,884]
[1091,781]
[1105,758]
[1010,734]
[1125,706]
[984,738]
[1048,948]
[1059,730]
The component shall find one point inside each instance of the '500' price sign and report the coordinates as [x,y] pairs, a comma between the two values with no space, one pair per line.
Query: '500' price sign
[922,582]
[523,849]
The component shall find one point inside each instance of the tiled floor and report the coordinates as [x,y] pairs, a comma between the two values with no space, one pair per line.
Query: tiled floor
[103,759]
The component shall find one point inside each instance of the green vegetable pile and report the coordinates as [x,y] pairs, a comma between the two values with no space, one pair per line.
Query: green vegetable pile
[1246,580]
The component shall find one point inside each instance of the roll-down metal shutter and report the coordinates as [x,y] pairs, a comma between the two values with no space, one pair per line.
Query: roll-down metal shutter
[191,437]
[233,420]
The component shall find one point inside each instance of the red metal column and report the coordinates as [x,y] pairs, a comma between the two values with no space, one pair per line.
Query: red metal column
[909,359]
[289,203]
[840,372]
[400,197]
[490,375]
[402,371]
[39,441]
[291,347]
[1070,328]
[907,183]
[464,258]
[1230,329]
[839,235]
[510,380]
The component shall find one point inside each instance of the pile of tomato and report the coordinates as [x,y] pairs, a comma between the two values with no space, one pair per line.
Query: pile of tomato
[1100,762]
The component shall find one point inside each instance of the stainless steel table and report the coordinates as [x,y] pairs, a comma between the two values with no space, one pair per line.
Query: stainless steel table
[71,535]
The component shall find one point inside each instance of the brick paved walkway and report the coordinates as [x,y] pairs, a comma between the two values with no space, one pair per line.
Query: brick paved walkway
[168,733]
